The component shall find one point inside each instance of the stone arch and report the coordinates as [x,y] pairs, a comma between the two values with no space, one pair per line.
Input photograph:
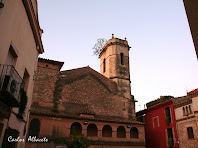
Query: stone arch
[34,128]
[76,128]
[134,132]
[92,130]
[121,132]
[107,131]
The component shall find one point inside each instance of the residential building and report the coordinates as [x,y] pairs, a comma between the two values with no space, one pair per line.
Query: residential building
[191,7]
[160,124]
[20,45]
[98,105]
[186,111]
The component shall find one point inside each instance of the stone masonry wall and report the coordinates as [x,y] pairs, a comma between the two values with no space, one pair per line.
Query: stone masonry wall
[185,142]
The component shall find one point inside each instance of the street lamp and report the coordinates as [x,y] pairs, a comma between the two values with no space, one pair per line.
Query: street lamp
[85,122]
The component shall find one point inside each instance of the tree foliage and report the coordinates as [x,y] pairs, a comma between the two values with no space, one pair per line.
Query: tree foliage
[77,141]
[98,46]
[74,140]
[159,100]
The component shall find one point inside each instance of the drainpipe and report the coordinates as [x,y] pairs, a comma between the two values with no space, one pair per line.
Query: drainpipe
[177,134]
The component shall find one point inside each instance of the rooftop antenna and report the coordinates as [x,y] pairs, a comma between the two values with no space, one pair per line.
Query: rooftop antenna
[139,106]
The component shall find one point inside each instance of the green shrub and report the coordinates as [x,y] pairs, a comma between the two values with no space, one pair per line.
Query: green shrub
[168,97]
[23,101]
[77,142]
[168,119]
[162,99]
[73,141]
[159,100]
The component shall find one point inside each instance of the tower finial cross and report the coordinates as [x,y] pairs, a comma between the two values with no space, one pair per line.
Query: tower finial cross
[112,35]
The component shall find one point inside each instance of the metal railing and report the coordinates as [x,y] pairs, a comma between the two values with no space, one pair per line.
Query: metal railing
[10,80]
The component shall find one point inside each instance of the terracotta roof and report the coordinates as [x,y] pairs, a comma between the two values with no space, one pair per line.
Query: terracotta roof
[75,89]
[79,73]
[184,100]
[181,101]
[62,115]
[193,91]
[155,107]
[51,62]
[86,110]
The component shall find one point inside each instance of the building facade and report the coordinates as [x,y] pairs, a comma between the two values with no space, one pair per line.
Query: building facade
[98,105]
[191,7]
[20,45]
[160,125]
[186,109]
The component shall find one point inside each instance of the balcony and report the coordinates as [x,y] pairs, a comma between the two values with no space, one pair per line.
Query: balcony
[10,84]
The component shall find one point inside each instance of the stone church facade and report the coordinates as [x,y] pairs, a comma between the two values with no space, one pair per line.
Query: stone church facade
[98,105]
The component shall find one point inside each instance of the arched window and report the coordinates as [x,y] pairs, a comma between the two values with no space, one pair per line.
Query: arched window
[121,132]
[104,66]
[134,132]
[184,112]
[187,110]
[76,128]
[34,128]
[92,130]
[122,58]
[107,131]
[190,110]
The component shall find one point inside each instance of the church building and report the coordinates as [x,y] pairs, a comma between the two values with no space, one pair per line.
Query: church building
[98,105]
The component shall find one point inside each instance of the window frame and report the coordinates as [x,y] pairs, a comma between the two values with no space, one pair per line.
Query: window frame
[122,58]
[104,65]
[190,135]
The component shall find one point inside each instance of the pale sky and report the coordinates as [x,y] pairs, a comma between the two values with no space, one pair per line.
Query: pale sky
[162,58]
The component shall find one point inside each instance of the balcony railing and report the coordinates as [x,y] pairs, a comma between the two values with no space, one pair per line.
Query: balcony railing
[10,84]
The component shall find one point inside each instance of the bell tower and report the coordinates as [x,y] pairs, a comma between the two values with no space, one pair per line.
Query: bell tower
[114,64]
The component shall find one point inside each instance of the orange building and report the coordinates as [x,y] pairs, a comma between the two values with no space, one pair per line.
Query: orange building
[98,105]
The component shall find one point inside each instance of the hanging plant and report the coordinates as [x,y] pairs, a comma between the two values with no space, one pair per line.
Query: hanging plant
[168,119]
[170,142]
[23,101]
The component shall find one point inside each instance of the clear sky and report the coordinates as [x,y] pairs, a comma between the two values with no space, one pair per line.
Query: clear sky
[162,58]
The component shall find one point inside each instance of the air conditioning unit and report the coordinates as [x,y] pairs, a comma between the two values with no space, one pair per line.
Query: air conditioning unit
[13,86]
[10,84]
